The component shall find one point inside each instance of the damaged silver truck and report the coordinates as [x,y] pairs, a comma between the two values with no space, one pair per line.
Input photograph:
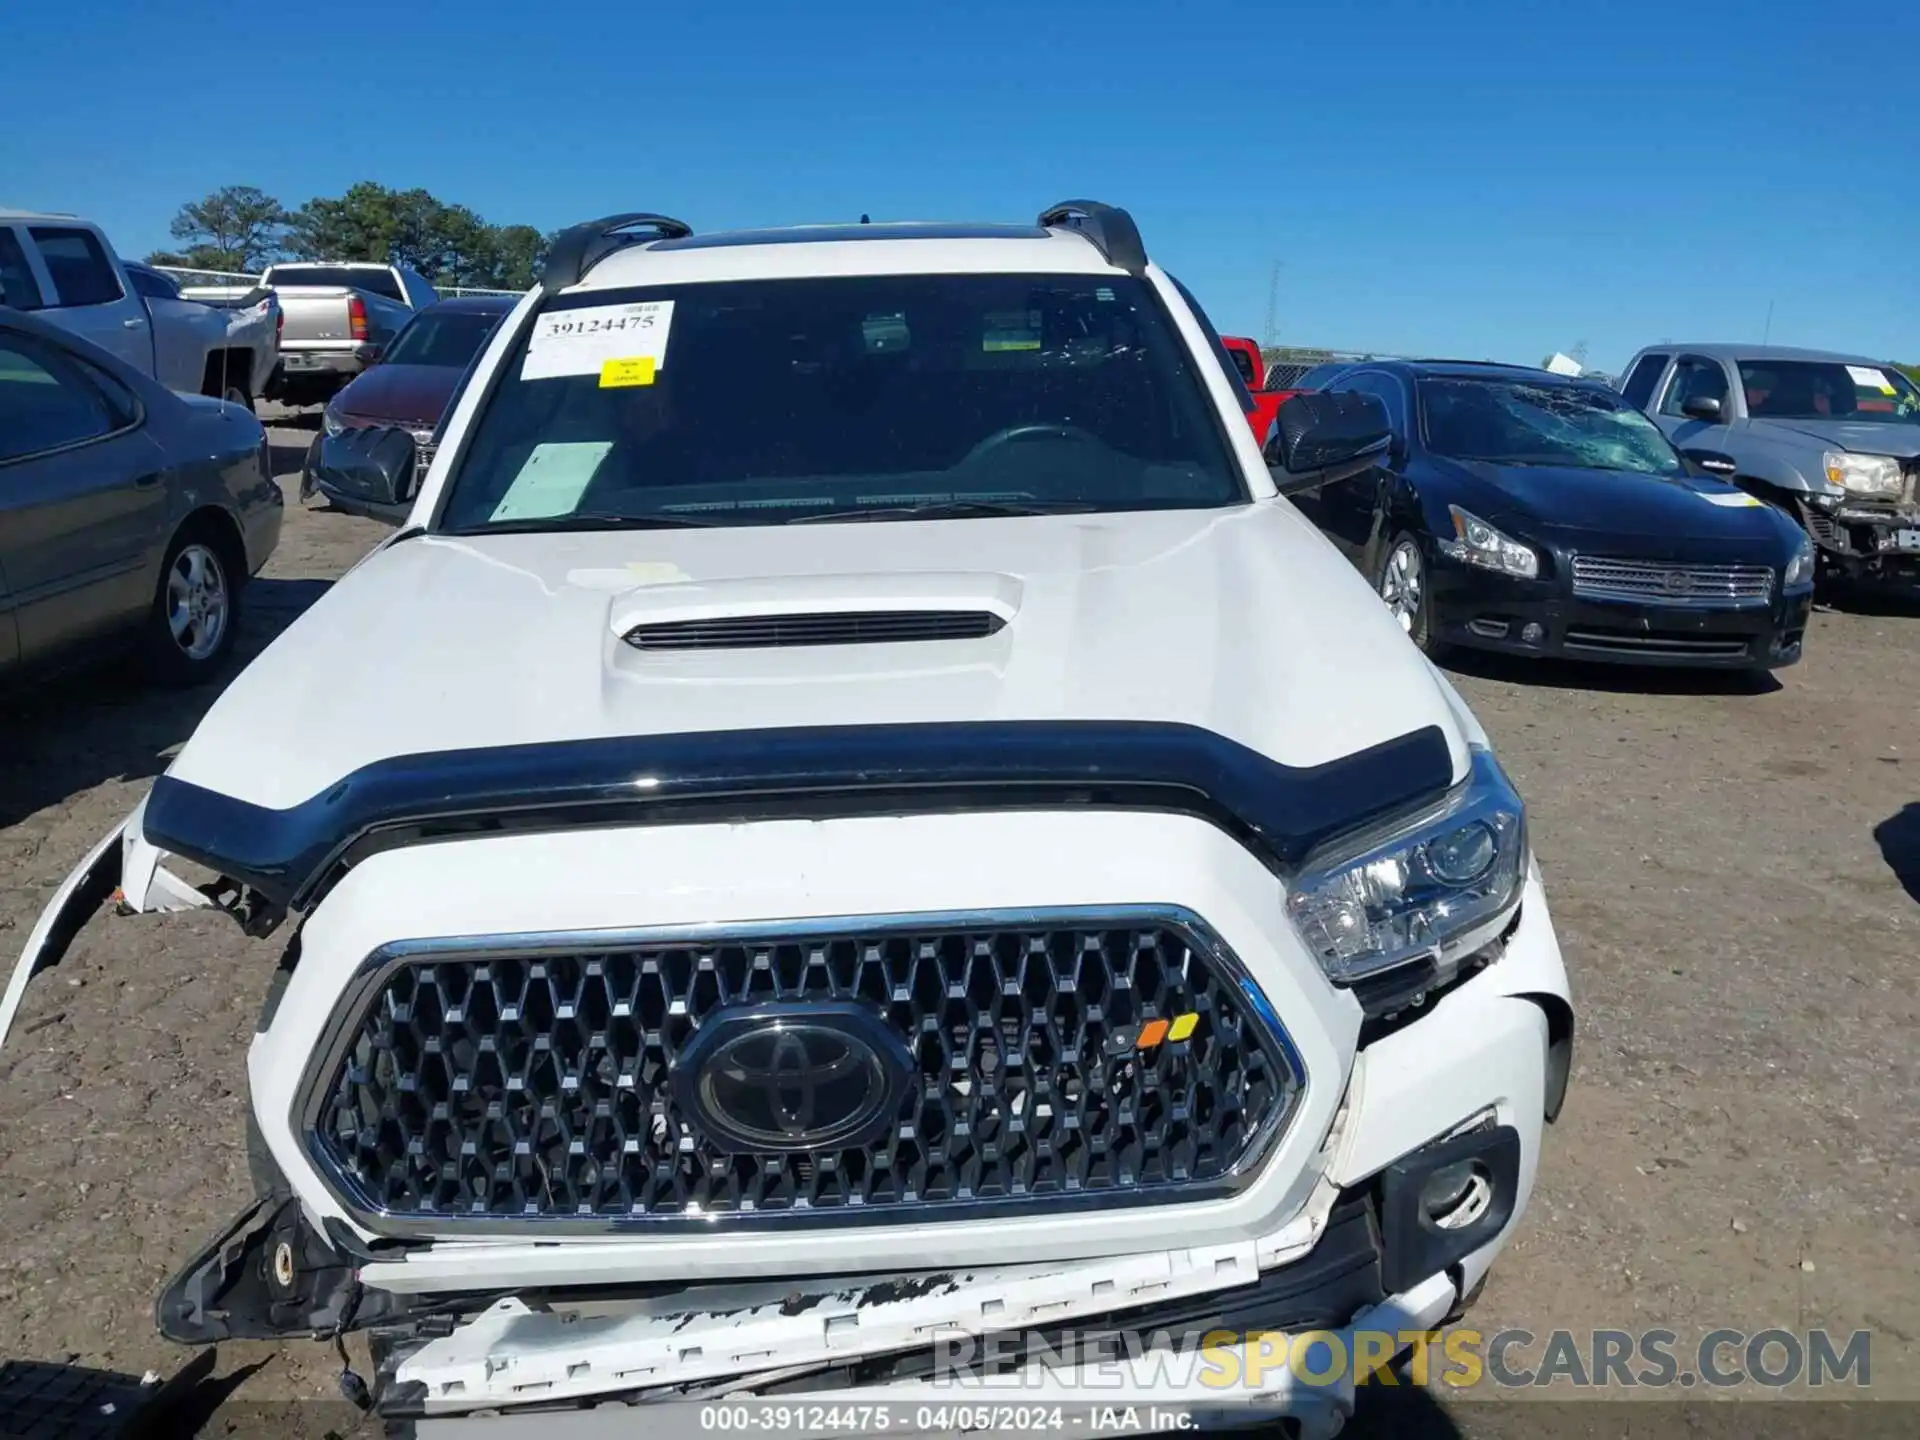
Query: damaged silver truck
[854,847]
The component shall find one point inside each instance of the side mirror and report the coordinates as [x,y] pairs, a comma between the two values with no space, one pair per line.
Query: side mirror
[1318,438]
[1701,407]
[374,467]
[372,355]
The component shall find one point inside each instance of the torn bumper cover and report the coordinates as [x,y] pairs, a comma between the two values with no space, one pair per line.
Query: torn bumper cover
[122,863]
[1359,1267]
[1203,1330]
[1158,1328]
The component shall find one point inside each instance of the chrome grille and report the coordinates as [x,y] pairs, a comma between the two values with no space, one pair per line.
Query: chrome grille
[839,627]
[1658,582]
[1046,1065]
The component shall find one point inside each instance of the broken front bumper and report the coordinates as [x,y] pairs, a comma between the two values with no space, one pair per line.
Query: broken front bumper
[1864,535]
[1472,1078]
[1472,1073]
[1183,1332]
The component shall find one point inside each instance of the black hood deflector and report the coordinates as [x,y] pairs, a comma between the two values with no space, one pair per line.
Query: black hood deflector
[1279,812]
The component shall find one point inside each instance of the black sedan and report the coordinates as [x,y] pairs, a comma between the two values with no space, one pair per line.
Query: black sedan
[1529,513]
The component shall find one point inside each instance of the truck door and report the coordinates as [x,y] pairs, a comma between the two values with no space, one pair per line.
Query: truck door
[1695,378]
[183,331]
[90,296]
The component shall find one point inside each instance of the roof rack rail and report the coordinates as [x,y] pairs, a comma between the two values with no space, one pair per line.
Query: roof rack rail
[579,248]
[1110,228]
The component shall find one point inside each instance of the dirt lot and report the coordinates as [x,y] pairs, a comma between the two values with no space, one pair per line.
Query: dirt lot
[1736,876]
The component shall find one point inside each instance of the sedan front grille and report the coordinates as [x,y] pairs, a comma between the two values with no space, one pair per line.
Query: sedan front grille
[1662,583]
[1044,1062]
[1655,644]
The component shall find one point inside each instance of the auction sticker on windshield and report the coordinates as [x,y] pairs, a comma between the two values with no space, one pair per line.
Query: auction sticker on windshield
[1871,379]
[580,342]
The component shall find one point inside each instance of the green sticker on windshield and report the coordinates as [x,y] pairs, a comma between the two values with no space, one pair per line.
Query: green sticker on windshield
[552,481]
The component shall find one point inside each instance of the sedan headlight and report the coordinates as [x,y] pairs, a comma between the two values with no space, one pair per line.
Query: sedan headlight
[1862,474]
[1437,885]
[1478,543]
[1800,568]
[331,422]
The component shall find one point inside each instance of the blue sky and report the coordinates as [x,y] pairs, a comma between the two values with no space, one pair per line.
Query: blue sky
[1479,180]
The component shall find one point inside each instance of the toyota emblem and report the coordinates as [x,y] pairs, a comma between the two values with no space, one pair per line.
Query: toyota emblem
[786,1077]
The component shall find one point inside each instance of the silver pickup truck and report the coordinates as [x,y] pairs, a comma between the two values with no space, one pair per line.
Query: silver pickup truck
[338,317]
[1832,439]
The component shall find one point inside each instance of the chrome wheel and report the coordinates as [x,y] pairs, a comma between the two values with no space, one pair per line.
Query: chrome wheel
[1402,584]
[197,603]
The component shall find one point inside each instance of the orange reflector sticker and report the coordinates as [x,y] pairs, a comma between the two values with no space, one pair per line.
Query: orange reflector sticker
[1183,1026]
[1152,1034]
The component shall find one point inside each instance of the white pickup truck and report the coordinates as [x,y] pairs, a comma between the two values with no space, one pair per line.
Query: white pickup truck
[911,874]
[66,270]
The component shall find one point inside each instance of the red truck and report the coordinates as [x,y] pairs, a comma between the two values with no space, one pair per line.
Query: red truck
[1245,355]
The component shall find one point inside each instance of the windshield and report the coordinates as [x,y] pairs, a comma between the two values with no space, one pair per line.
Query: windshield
[768,401]
[1517,422]
[1828,390]
[446,338]
[374,279]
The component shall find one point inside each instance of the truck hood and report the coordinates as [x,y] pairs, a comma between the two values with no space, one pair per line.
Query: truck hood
[1866,437]
[1244,622]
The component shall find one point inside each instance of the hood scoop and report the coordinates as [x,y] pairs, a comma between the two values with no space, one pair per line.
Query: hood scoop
[780,612]
[845,627]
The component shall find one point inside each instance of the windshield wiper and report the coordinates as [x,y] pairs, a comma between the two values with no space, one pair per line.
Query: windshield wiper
[588,520]
[946,510]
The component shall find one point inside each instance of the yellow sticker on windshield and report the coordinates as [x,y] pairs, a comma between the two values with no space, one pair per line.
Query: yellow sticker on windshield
[637,371]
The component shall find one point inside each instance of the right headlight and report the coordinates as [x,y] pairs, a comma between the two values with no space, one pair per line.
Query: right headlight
[331,422]
[1478,543]
[1862,474]
[1435,885]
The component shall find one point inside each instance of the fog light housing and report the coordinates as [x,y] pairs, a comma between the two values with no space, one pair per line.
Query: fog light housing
[1444,1201]
[1456,1195]
[1532,633]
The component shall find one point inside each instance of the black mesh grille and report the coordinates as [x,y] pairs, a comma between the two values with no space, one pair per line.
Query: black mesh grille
[867,627]
[1041,1068]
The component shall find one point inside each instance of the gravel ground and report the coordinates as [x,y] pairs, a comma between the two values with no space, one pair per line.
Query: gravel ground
[1735,872]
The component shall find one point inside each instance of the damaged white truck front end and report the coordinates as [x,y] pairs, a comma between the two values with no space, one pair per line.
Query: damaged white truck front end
[1006,944]
[538,1278]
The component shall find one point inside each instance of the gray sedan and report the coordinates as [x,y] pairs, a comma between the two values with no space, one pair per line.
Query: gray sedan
[130,517]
